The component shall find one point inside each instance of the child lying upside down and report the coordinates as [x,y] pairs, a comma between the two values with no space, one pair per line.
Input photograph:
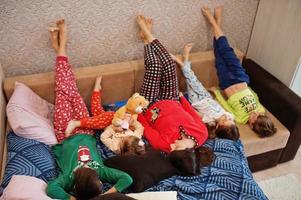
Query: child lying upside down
[212,113]
[125,142]
[170,122]
[233,81]
[81,167]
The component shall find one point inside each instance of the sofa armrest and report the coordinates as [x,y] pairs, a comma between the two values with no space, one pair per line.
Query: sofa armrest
[279,100]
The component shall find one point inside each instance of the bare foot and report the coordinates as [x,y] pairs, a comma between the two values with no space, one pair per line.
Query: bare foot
[218,14]
[145,27]
[97,86]
[149,24]
[62,32]
[142,22]
[207,14]
[72,124]
[54,37]
[187,49]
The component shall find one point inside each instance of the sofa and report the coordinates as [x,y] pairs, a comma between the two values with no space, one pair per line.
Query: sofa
[121,80]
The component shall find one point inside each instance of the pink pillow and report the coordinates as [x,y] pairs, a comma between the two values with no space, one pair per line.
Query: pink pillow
[25,188]
[30,116]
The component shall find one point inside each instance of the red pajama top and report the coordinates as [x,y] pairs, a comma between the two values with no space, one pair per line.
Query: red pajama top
[164,120]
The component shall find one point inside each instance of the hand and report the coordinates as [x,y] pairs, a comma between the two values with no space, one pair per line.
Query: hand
[72,198]
[118,122]
[111,190]
[118,129]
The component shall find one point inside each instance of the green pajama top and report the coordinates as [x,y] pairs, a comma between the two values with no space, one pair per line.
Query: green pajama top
[66,155]
[241,104]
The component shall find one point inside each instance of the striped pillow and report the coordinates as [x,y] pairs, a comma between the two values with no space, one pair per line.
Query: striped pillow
[28,157]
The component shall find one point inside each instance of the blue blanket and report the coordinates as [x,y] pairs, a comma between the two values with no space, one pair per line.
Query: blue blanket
[228,177]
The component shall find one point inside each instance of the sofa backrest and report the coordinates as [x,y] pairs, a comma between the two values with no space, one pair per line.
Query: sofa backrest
[120,80]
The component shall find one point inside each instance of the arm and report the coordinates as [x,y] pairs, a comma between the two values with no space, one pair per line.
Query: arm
[56,189]
[223,102]
[188,108]
[108,139]
[111,190]
[202,137]
[121,179]
[219,97]
[138,132]
[153,136]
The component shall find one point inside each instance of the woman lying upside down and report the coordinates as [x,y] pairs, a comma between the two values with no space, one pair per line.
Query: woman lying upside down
[170,123]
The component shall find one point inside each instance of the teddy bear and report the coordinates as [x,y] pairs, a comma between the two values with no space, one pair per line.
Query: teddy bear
[127,115]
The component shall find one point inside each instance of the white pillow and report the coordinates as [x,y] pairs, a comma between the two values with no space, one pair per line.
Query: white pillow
[25,188]
[30,116]
[168,195]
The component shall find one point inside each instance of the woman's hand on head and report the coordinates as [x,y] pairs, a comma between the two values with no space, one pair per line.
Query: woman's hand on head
[72,198]
[111,190]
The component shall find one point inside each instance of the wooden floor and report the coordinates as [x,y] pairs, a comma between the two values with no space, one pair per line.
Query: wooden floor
[291,167]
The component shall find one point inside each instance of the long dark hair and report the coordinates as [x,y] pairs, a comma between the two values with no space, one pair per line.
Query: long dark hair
[189,161]
[87,183]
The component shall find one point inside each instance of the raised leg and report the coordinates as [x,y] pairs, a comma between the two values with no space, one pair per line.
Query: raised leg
[153,71]
[169,88]
[100,121]
[96,106]
[68,103]
[229,69]
[196,90]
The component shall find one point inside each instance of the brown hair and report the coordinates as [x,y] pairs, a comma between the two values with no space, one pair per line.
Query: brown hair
[228,132]
[87,184]
[188,161]
[131,146]
[264,126]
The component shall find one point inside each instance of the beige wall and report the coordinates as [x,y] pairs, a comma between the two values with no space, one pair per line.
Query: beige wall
[104,31]
[276,38]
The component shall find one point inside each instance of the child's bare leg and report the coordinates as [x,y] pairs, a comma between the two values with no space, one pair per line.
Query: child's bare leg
[63,37]
[148,37]
[186,52]
[177,60]
[218,15]
[54,37]
[217,31]
[72,124]
[97,86]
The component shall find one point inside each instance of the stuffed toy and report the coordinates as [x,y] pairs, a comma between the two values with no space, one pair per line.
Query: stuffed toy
[127,115]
